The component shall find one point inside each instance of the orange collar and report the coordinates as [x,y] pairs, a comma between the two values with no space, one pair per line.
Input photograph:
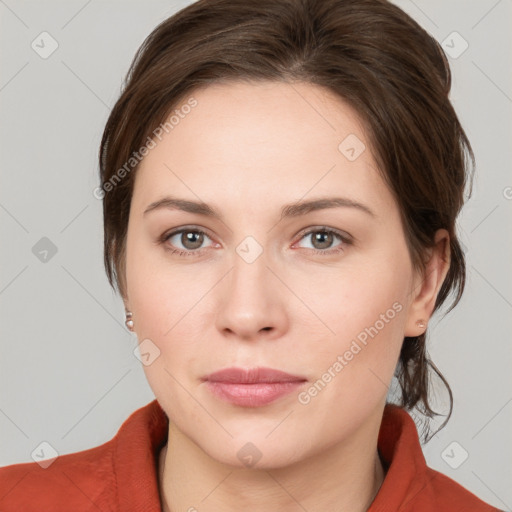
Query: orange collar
[122,474]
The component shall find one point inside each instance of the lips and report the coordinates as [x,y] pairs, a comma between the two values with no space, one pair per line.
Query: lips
[252,387]
[252,376]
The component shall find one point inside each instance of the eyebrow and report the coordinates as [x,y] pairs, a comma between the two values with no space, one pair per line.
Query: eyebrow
[288,211]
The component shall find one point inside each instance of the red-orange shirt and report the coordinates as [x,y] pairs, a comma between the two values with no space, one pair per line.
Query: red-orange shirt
[121,474]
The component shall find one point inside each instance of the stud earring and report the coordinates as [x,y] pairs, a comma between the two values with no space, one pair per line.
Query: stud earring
[129,322]
[421,323]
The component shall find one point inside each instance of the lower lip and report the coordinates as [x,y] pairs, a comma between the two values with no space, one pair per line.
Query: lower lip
[252,395]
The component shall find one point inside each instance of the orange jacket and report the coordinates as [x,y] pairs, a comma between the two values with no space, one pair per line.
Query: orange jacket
[121,474]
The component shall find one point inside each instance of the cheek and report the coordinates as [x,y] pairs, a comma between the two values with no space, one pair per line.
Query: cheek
[364,308]
[168,301]
[368,291]
[161,294]
[165,314]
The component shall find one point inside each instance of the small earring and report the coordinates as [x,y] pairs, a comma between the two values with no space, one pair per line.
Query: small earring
[129,322]
[421,323]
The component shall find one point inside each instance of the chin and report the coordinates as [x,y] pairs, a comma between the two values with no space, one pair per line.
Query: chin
[259,454]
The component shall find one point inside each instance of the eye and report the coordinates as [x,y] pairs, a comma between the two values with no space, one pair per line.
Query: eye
[190,239]
[322,239]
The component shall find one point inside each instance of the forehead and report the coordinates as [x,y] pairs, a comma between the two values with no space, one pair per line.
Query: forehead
[253,142]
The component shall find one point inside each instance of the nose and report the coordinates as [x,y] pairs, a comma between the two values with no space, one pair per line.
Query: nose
[251,301]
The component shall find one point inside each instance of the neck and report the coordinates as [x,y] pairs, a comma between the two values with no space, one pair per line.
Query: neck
[345,478]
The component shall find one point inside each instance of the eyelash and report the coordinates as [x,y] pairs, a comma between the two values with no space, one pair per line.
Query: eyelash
[197,252]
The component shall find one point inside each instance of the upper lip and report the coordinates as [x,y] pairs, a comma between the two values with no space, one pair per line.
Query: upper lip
[252,376]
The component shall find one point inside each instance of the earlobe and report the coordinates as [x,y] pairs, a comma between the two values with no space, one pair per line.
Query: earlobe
[128,315]
[129,321]
[427,286]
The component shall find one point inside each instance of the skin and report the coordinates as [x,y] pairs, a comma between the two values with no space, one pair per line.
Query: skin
[248,149]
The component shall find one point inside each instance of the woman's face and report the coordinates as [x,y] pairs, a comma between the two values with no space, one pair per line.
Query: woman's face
[323,294]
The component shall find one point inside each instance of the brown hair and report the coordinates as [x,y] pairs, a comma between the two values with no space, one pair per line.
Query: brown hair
[372,55]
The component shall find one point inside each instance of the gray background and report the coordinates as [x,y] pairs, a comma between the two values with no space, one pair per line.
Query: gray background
[68,374]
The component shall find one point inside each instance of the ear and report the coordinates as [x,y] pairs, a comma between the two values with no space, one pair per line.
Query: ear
[124,294]
[427,285]
[121,275]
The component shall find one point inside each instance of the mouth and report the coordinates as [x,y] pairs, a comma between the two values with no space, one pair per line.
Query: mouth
[252,387]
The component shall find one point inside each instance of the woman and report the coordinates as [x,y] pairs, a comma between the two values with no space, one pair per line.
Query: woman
[280,181]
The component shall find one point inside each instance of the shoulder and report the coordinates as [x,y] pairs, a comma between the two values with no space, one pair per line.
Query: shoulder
[410,485]
[117,475]
[443,494]
[75,481]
